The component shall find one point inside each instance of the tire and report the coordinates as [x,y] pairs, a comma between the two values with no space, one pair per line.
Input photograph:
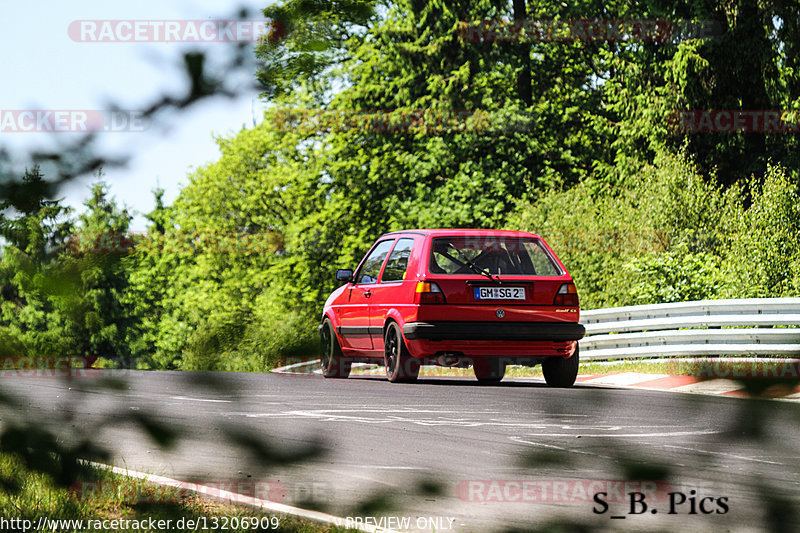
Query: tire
[399,364]
[332,362]
[489,370]
[560,372]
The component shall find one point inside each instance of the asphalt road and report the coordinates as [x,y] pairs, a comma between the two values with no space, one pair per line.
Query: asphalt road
[514,455]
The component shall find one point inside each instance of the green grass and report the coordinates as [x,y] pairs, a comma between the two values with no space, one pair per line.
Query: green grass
[674,367]
[533,372]
[102,495]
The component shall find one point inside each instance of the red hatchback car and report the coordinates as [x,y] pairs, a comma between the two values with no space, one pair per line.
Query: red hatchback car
[454,298]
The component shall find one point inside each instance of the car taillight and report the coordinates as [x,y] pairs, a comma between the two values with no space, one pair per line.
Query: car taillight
[428,292]
[567,295]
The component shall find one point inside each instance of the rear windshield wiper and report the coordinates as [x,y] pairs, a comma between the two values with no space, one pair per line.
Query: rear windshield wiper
[470,265]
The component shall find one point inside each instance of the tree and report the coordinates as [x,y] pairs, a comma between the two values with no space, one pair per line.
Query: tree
[748,63]
[40,227]
[100,317]
[203,270]
[35,229]
[308,41]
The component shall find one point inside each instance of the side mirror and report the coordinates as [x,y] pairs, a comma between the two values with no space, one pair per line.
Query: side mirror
[345,275]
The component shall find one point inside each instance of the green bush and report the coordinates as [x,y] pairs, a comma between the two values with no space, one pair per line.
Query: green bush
[278,333]
[764,255]
[677,275]
[270,335]
[675,235]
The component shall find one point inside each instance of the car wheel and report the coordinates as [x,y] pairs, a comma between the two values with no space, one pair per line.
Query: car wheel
[560,372]
[400,365]
[489,370]
[332,362]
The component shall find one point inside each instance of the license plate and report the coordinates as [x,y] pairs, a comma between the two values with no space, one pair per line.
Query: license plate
[499,293]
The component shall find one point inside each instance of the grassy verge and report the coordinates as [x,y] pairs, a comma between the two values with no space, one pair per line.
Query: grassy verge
[670,367]
[102,495]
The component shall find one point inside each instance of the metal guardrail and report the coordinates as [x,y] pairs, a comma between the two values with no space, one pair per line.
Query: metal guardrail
[739,327]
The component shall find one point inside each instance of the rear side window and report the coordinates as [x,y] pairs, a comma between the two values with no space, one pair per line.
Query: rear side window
[395,269]
[368,273]
[495,255]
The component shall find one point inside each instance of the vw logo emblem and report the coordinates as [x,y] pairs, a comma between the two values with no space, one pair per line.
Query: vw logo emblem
[500,313]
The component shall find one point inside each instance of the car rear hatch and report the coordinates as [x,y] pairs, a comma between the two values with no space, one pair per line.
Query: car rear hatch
[491,278]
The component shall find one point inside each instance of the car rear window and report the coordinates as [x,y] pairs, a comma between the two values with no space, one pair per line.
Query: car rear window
[495,255]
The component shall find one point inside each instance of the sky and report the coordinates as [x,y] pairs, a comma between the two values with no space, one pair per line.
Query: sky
[46,68]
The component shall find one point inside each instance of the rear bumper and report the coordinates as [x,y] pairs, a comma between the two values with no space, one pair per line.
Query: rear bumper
[491,331]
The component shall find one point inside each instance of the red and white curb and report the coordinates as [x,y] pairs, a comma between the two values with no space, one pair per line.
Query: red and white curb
[305,367]
[688,384]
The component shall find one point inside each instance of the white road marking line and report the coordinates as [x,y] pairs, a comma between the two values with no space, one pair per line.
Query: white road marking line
[520,440]
[627,435]
[742,457]
[333,415]
[390,417]
[240,499]
[377,467]
[199,399]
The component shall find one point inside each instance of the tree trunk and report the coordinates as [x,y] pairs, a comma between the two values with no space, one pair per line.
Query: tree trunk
[524,51]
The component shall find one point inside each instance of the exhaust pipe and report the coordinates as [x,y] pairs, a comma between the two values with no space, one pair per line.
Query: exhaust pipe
[448,359]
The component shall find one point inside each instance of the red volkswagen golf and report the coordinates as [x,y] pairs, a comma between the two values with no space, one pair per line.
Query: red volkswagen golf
[447,297]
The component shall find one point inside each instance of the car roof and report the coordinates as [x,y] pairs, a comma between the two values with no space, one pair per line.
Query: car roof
[463,232]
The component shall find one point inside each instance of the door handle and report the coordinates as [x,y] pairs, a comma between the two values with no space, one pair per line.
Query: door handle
[367,294]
